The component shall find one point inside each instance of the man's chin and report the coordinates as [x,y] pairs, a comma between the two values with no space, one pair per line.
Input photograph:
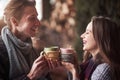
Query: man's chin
[33,35]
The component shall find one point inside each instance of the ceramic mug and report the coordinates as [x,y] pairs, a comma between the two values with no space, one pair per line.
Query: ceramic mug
[51,52]
[67,54]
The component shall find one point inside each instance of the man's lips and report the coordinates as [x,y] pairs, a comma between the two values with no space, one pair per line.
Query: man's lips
[34,29]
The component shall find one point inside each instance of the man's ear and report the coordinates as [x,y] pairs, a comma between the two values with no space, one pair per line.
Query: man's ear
[14,21]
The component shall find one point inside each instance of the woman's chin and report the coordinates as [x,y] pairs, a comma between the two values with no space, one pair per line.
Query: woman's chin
[85,49]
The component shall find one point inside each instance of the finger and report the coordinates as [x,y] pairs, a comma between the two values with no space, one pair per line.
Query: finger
[41,63]
[52,64]
[65,64]
[40,58]
[58,63]
[44,71]
[49,64]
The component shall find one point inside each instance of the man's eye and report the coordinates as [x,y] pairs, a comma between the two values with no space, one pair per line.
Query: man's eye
[32,18]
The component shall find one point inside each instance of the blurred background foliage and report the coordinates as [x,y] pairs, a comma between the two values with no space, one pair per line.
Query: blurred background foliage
[85,9]
[64,21]
[69,18]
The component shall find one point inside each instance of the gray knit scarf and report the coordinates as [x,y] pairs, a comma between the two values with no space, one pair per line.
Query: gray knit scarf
[18,51]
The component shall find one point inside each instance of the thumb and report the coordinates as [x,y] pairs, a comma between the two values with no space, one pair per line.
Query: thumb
[40,58]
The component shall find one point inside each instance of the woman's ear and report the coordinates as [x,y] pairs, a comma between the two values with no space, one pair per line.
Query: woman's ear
[14,21]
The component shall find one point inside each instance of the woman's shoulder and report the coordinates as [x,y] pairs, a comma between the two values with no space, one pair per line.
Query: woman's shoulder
[103,66]
[102,72]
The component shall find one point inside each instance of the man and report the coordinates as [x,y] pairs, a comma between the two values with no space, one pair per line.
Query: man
[18,60]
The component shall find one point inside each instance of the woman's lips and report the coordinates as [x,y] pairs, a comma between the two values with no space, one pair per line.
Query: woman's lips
[84,41]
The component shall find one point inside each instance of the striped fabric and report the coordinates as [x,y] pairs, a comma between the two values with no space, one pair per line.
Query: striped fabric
[102,72]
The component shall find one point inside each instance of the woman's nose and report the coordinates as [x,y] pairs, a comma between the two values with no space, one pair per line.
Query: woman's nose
[82,35]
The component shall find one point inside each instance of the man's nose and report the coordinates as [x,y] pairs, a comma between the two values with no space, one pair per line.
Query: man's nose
[37,23]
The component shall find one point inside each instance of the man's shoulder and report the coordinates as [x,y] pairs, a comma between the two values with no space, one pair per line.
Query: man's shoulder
[2,45]
[3,50]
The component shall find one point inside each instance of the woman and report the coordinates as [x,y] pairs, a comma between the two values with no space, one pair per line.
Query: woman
[101,43]
[18,60]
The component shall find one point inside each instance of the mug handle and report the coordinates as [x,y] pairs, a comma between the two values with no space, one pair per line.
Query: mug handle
[42,53]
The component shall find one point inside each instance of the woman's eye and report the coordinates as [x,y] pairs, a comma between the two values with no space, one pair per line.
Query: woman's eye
[87,32]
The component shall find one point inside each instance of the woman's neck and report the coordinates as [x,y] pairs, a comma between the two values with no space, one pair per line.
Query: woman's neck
[94,53]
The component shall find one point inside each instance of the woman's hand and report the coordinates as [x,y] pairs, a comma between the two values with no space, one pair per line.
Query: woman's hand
[39,68]
[69,66]
[73,69]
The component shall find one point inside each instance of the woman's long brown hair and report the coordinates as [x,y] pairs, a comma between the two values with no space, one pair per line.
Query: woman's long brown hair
[107,36]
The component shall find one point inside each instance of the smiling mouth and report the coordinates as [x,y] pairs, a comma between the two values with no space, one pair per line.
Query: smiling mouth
[84,42]
[35,29]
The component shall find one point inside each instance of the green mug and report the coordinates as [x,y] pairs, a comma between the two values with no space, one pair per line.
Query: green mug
[51,53]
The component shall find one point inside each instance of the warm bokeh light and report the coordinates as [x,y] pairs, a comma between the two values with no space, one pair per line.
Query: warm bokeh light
[2,6]
[38,6]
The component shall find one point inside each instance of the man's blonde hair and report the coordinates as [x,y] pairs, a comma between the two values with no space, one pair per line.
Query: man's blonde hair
[15,9]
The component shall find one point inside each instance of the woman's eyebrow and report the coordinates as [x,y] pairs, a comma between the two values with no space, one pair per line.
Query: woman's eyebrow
[89,30]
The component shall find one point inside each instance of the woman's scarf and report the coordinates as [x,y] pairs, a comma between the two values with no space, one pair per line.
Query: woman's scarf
[17,51]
